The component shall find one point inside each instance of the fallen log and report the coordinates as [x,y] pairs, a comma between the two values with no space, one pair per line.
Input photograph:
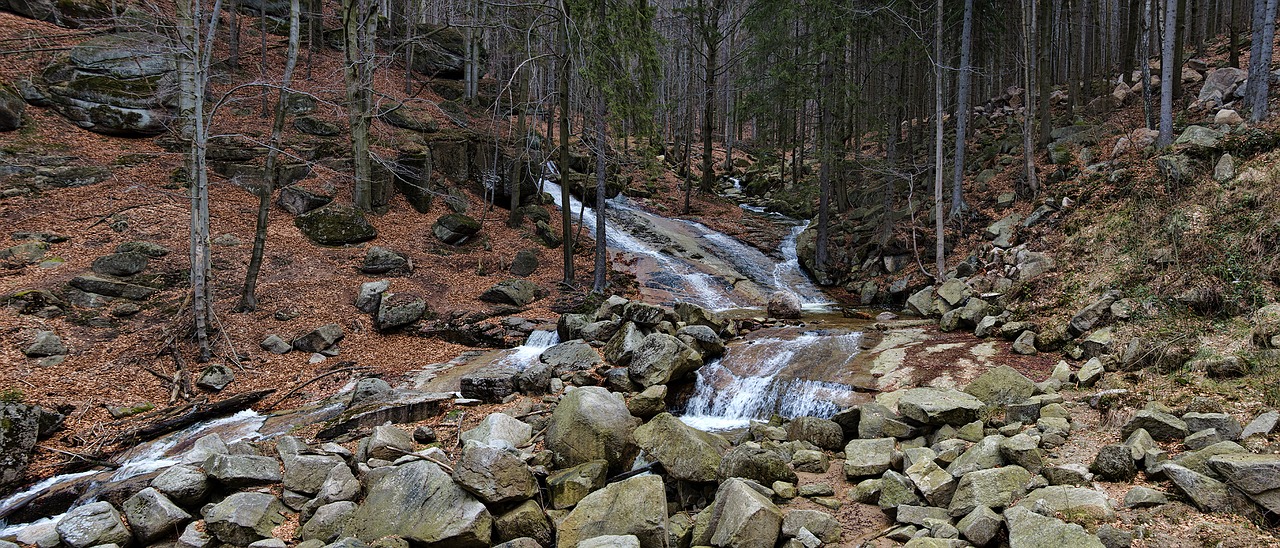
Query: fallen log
[193,413]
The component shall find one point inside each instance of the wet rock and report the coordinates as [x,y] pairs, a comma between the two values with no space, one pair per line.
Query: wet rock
[571,485]
[636,506]
[498,430]
[335,225]
[321,338]
[237,471]
[1208,494]
[938,406]
[524,521]
[661,359]
[328,521]
[244,518]
[215,377]
[589,424]
[684,452]
[785,305]
[1162,426]
[120,264]
[152,516]
[420,503]
[514,292]
[1028,529]
[93,524]
[993,488]
[297,200]
[494,475]
[489,384]
[185,485]
[455,228]
[751,461]
[740,516]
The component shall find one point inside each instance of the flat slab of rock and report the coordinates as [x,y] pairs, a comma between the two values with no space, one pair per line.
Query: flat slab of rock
[335,225]
[1028,529]
[93,524]
[1162,426]
[938,406]
[1258,476]
[111,288]
[404,407]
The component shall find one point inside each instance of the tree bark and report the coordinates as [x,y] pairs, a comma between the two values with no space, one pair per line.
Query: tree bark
[1167,74]
[566,216]
[938,157]
[1264,30]
[1031,183]
[962,110]
[359,18]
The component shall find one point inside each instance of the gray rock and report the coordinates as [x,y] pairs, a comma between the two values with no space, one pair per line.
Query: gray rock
[571,485]
[152,516]
[740,517]
[420,503]
[784,305]
[493,384]
[185,485]
[204,447]
[703,339]
[499,429]
[599,332]
[814,462]
[120,264]
[922,302]
[935,484]
[1144,497]
[525,262]
[661,359]
[569,356]
[193,537]
[1114,463]
[919,515]
[642,314]
[369,390]
[1208,494]
[297,200]
[1090,373]
[868,457]
[116,84]
[515,292]
[1199,138]
[1028,529]
[370,295]
[275,344]
[306,473]
[1162,426]
[12,107]
[752,461]
[493,475]
[328,521]
[1198,461]
[982,455]
[1078,504]
[954,292]
[524,521]
[636,506]
[820,432]
[111,288]
[590,424]
[388,443]
[237,471]
[938,406]
[1025,344]
[244,518]
[1264,424]
[611,541]
[321,338]
[45,343]
[1068,474]
[1023,451]
[980,526]
[1112,537]
[820,524]
[684,452]
[1091,315]
[993,488]
[1227,427]
[1222,82]
[622,346]
[897,490]
[1002,385]
[649,402]
[1225,169]
[380,260]
[215,377]
[1202,439]
[91,525]
[335,225]
[396,310]
[1257,475]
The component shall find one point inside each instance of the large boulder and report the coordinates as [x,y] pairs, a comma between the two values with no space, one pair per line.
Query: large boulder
[494,475]
[117,84]
[1028,529]
[1162,426]
[455,228]
[589,424]
[574,355]
[661,359]
[820,432]
[785,305]
[1002,385]
[244,518]
[441,53]
[152,516]
[12,108]
[93,524]
[637,506]
[298,200]
[500,429]
[571,485]
[1221,82]
[754,462]
[19,428]
[396,310]
[868,457]
[526,521]
[335,225]
[515,292]
[938,406]
[237,471]
[1208,494]
[1258,476]
[740,517]
[420,503]
[622,345]
[685,453]
[993,488]
[1079,503]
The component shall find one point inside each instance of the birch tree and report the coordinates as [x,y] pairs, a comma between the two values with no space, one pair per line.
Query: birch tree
[1167,73]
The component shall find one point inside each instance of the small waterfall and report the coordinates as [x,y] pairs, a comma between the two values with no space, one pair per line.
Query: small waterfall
[764,376]
[787,274]
[525,354]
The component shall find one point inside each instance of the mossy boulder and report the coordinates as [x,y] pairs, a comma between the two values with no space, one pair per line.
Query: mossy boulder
[455,228]
[336,224]
[116,84]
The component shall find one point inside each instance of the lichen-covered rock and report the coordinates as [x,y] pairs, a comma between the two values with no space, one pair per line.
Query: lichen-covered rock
[12,107]
[494,475]
[1162,426]
[571,485]
[93,524]
[636,506]
[993,488]
[335,225]
[1028,529]
[1002,385]
[244,518]
[868,457]
[455,228]
[420,503]
[1077,503]
[498,429]
[739,517]
[751,461]
[524,521]
[820,432]
[327,522]
[116,84]
[515,292]
[938,406]
[685,453]
[661,359]
[589,424]
[152,516]
[396,310]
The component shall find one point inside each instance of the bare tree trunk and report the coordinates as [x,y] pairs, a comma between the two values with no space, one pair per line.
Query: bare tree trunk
[938,155]
[360,26]
[1167,74]
[1031,183]
[1264,30]
[566,217]
[248,297]
[598,283]
[233,35]
[962,110]
[710,29]
[1147,20]
[824,170]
